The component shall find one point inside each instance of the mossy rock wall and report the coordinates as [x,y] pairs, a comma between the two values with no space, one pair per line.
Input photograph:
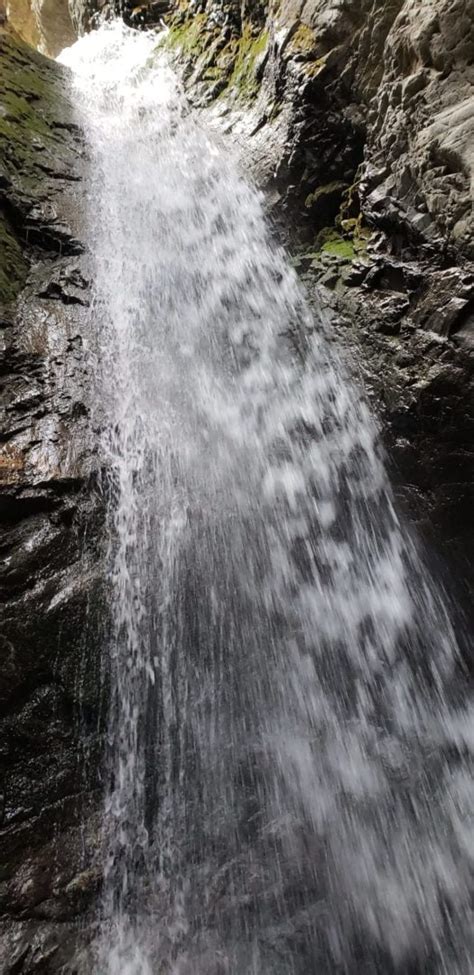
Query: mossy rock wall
[49,580]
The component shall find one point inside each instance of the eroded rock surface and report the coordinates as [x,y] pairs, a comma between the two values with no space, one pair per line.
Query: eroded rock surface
[50,513]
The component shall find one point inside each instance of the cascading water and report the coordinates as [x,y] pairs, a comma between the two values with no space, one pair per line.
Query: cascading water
[289,788]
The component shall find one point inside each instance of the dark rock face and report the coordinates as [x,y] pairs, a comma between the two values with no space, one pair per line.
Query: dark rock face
[85,14]
[357,118]
[421,126]
[50,514]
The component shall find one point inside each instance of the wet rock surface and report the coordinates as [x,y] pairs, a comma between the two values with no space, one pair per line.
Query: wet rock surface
[50,514]
[357,119]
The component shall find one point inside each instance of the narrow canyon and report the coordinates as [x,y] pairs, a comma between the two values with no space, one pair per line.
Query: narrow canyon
[236,485]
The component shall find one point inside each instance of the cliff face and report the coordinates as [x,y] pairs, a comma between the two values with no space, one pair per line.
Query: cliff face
[358,119]
[49,510]
[44,24]
[22,19]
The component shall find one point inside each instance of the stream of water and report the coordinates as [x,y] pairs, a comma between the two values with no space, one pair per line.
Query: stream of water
[288,788]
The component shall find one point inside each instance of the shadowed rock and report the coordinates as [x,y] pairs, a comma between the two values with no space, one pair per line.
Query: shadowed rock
[50,576]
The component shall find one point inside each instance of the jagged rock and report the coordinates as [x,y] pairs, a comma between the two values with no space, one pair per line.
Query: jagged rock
[422,125]
[85,14]
[50,580]
[42,948]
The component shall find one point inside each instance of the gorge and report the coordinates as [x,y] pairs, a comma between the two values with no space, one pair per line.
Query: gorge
[236,730]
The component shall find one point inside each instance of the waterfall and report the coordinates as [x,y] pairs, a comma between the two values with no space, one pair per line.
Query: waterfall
[289,788]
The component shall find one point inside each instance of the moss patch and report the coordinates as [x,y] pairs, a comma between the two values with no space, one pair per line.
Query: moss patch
[190,36]
[36,137]
[243,78]
[230,65]
[34,112]
[344,249]
[302,41]
[344,243]
[345,236]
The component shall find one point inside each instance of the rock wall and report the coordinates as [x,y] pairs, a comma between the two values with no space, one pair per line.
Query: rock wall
[50,511]
[55,26]
[44,24]
[86,14]
[22,18]
[357,119]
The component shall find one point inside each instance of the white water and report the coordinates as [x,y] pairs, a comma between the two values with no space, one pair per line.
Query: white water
[289,790]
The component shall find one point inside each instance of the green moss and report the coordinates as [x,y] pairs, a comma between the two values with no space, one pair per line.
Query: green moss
[344,249]
[32,105]
[302,41]
[233,64]
[34,118]
[348,244]
[243,78]
[346,236]
[13,267]
[18,113]
[350,220]
[212,73]
[190,36]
